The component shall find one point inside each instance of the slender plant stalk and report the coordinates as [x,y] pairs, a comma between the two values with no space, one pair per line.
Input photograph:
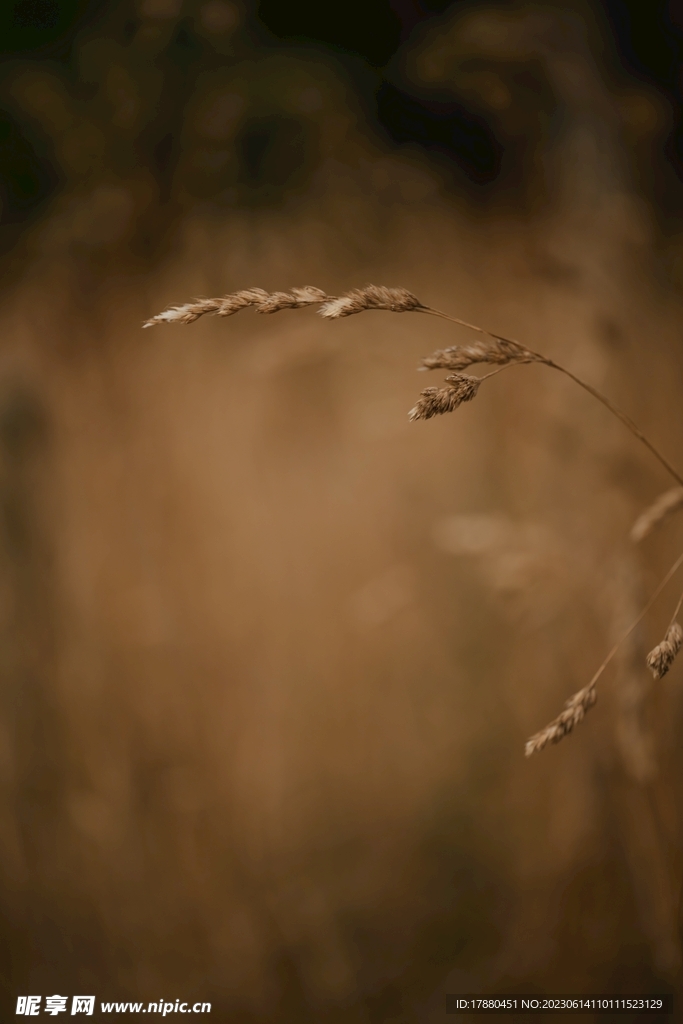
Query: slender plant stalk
[580,703]
[626,420]
[518,362]
[538,357]
[675,614]
[641,616]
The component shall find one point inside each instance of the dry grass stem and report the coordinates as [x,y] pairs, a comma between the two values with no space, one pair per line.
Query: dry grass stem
[660,660]
[397,300]
[528,355]
[436,401]
[550,733]
[664,505]
[574,712]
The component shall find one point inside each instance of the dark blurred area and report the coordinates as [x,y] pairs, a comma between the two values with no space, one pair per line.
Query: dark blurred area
[269,652]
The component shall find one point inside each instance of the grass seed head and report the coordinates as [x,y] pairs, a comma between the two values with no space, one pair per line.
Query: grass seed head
[396,300]
[574,712]
[459,357]
[263,302]
[436,401]
[661,658]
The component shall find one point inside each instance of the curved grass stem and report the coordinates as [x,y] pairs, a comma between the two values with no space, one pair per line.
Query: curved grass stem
[538,357]
[660,587]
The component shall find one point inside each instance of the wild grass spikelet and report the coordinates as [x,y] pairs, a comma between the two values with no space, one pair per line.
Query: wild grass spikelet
[574,712]
[262,301]
[661,658]
[459,357]
[436,401]
[394,300]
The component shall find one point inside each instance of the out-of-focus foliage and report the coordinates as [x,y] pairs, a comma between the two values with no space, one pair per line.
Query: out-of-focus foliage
[161,107]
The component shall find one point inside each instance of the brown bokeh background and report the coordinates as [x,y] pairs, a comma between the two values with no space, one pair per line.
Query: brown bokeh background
[270,652]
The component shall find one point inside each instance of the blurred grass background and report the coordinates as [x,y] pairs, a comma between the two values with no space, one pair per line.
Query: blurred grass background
[269,652]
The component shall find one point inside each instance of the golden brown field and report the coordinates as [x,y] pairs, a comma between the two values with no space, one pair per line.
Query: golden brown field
[269,651]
